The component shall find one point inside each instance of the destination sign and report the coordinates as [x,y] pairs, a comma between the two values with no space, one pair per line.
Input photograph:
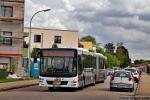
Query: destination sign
[47,53]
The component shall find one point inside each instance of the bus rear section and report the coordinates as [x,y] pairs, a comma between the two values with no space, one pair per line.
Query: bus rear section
[101,74]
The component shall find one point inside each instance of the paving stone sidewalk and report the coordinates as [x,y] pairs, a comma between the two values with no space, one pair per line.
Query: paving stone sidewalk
[17,84]
[144,85]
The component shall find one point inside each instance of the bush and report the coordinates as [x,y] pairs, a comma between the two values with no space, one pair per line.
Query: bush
[3,73]
[54,45]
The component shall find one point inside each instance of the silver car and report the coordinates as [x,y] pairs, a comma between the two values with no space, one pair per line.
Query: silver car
[122,79]
[135,73]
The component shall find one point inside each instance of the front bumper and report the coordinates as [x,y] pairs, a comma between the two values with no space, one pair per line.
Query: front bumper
[59,86]
[63,83]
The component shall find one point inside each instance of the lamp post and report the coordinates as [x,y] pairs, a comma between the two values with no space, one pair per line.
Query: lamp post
[29,46]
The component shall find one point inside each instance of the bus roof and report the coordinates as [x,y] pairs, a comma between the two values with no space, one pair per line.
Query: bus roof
[58,49]
[101,55]
[84,51]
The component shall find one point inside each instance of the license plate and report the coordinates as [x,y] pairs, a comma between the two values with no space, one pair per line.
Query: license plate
[57,85]
[57,82]
[122,85]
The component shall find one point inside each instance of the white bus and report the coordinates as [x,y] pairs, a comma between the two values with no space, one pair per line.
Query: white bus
[101,73]
[70,68]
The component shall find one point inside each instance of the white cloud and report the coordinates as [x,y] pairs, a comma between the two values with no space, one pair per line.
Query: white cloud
[68,5]
[31,8]
[125,21]
[43,19]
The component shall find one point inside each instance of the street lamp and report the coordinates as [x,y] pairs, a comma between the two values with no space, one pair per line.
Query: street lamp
[29,46]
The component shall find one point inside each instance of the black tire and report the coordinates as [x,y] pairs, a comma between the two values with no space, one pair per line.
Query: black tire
[137,81]
[102,81]
[94,81]
[111,88]
[83,85]
[50,88]
[131,90]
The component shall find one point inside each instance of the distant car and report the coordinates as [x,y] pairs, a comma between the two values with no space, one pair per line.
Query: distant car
[140,69]
[122,79]
[116,68]
[135,72]
[110,71]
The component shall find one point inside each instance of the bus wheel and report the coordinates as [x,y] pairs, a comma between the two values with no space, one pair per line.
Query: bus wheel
[50,88]
[111,88]
[94,79]
[83,85]
[102,81]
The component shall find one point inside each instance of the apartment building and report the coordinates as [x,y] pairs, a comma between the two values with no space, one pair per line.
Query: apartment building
[45,38]
[11,35]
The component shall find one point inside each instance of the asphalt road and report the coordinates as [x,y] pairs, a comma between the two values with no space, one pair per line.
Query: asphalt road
[98,92]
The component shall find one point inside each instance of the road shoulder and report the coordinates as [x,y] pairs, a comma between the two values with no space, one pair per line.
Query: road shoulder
[144,85]
[17,84]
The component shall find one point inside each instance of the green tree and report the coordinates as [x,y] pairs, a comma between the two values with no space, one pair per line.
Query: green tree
[123,56]
[100,50]
[35,54]
[89,38]
[141,61]
[112,60]
[25,34]
[110,48]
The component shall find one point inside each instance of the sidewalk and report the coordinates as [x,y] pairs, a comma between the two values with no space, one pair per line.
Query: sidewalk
[17,84]
[144,85]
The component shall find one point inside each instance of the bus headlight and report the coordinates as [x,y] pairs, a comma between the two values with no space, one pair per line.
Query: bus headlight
[41,79]
[73,81]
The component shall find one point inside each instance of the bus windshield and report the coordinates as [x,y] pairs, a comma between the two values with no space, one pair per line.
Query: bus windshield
[58,66]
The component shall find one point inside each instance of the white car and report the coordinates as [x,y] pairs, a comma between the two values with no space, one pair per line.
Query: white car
[122,79]
[135,73]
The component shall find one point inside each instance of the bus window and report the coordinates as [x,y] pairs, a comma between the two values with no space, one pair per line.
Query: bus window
[58,66]
[86,61]
[101,63]
[94,62]
[80,68]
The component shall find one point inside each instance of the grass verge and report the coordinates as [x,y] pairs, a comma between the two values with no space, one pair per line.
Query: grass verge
[8,80]
[13,80]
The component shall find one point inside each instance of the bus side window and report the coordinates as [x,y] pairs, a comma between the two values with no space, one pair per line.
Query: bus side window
[80,69]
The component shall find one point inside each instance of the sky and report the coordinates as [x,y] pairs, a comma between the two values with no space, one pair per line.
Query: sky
[114,21]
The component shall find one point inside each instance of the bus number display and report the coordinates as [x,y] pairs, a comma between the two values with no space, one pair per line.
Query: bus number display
[57,53]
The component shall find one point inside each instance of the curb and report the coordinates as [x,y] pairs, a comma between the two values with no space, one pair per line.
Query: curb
[16,87]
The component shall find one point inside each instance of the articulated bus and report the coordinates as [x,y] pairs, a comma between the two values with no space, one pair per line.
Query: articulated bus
[70,68]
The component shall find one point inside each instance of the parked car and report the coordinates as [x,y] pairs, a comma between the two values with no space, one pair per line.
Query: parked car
[135,72]
[110,71]
[116,68]
[140,69]
[122,79]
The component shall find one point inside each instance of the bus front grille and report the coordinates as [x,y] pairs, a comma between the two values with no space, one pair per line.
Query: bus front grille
[50,82]
[62,82]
